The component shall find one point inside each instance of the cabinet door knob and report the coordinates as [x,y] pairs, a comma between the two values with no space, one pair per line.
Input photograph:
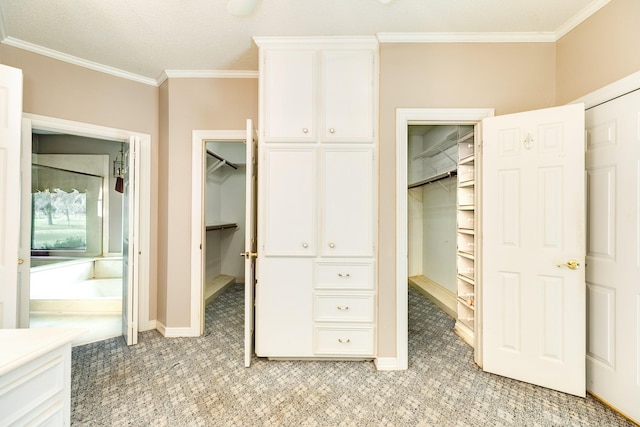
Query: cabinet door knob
[305,130]
[332,245]
[305,245]
[332,130]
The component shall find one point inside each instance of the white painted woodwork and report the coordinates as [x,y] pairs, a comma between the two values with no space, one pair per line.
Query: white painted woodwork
[347,95]
[344,341]
[342,275]
[533,220]
[130,242]
[289,196]
[35,376]
[316,196]
[10,116]
[284,304]
[24,245]
[347,202]
[613,252]
[331,307]
[250,241]
[290,95]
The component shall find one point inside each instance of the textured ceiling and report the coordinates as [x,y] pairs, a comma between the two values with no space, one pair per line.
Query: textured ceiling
[146,37]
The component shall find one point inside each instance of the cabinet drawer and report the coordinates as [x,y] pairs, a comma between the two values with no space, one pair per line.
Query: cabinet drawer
[340,341]
[465,243]
[465,172]
[343,308]
[330,275]
[465,196]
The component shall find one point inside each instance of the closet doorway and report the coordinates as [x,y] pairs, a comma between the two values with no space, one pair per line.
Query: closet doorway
[223,221]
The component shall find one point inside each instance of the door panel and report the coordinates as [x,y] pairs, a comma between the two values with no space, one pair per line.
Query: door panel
[250,244]
[10,122]
[130,227]
[348,90]
[347,202]
[613,252]
[534,223]
[290,95]
[289,200]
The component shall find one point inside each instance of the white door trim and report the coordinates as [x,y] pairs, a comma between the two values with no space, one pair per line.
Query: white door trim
[405,117]
[198,139]
[102,132]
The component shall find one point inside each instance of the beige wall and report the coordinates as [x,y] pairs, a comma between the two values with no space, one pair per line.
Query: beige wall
[58,89]
[603,49]
[509,77]
[191,104]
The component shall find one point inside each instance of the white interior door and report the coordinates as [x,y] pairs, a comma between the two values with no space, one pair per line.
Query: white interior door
[130,227]
[533,279]
[10,122]
[24,245]
[250,244]
[613,253]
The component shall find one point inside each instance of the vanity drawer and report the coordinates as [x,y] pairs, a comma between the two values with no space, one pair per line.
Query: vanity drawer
[340,341]
[343,308]
[341,275]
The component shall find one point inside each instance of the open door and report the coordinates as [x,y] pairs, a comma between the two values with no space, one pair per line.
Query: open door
[10,123]
[533,279]
[130,245]
[250,244]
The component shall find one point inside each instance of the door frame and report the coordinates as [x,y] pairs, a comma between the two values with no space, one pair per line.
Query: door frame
[199,138]
[404,118]
[144,186]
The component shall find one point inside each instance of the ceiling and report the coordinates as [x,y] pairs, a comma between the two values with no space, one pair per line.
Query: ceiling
[144,38]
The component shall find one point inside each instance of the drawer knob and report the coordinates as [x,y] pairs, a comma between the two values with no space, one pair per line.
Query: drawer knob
[344,341]
[305,245]
[332,130]
[344,275]
[343,307]
[332,245]
[305,130]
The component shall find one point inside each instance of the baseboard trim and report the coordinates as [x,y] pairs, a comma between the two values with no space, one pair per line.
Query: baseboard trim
[436,293]
[175,332]
[388,364]
[147,326]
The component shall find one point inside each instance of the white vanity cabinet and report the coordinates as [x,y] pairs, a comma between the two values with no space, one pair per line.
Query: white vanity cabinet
[35,376]
[324,91]
[317,204]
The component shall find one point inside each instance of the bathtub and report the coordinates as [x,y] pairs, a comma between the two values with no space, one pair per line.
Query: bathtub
[76,285]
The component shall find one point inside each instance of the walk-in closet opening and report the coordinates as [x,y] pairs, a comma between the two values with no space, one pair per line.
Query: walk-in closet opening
[224,209]
[77,220]
[440,218]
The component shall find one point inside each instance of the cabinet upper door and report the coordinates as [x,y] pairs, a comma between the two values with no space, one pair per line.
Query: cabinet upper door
[347,202]
[347,95]
[289,92]
[288,197]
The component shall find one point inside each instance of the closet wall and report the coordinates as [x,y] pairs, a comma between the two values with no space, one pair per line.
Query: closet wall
[224,216]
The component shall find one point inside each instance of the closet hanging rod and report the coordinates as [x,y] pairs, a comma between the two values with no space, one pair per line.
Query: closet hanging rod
[434,178]
[226,162]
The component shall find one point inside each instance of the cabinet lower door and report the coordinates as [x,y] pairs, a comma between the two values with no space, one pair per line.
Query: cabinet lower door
[284,299]
[347,202]
[288,199]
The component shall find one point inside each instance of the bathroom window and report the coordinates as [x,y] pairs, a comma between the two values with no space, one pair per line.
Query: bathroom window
[66,212]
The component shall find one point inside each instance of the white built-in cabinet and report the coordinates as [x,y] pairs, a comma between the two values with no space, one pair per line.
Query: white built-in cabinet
[316,287]
[466,260]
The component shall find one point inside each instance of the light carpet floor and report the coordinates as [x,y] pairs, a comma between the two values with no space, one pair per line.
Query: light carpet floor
[202,382]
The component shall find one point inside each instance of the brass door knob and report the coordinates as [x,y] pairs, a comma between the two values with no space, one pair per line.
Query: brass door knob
[572,264]
[20,261]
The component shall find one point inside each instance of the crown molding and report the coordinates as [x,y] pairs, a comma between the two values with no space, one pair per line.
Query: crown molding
[20,44]
[580,17]
[542,37]
[206,74]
